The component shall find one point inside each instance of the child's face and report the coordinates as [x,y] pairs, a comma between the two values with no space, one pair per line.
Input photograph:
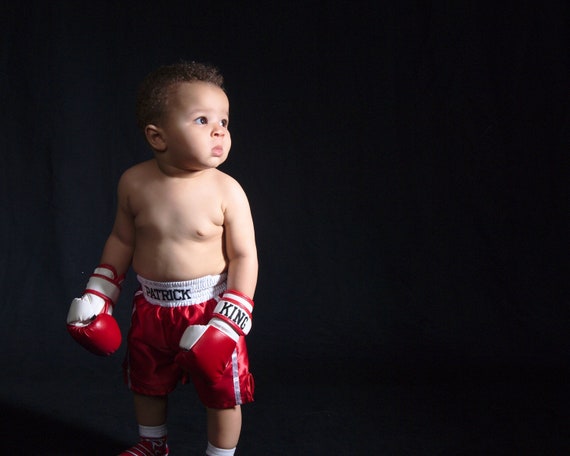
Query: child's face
[195,127]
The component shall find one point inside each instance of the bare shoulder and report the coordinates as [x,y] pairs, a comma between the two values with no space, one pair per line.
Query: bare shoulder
[140,171]
[225,181]
[233,196]
[228,186]
[137,174]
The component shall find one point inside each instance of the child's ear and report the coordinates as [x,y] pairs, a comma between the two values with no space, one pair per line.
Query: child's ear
[155,137]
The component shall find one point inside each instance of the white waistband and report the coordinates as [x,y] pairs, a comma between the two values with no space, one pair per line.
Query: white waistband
[185,293]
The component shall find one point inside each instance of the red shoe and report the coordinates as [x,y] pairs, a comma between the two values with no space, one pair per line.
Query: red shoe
[148,447]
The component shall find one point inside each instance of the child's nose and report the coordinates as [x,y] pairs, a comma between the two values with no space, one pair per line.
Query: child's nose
[218,130]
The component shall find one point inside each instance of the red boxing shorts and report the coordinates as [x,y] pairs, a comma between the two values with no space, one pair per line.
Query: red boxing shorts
[161,313]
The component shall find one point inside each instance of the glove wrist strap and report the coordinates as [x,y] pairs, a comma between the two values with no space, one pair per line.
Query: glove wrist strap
[105,283]
[235,310]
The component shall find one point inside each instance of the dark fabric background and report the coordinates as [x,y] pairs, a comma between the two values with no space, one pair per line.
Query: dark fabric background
[407,167]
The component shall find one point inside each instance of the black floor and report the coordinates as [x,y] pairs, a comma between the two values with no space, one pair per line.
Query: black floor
[80,407]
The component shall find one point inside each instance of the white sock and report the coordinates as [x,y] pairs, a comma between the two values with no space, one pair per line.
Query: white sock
[152,432]
[213,451]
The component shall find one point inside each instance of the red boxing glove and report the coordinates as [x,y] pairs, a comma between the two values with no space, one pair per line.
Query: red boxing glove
[89,320]
[208,348]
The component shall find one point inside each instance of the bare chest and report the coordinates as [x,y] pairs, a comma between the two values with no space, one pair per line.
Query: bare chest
[181,212]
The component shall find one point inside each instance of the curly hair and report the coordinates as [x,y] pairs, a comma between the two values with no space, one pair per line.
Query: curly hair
[152,94]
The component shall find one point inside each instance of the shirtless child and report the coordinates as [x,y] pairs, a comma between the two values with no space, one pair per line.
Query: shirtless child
[186,228]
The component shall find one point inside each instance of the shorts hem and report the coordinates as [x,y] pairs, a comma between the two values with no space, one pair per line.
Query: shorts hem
[152,391]
[227,404]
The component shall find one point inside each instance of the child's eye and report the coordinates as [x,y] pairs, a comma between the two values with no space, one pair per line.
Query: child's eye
[201,120]
[224,123]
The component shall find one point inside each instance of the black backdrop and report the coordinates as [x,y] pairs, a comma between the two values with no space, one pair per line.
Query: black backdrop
[406,163]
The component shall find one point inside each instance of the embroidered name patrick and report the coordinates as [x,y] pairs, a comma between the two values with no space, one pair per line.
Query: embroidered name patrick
[175,294]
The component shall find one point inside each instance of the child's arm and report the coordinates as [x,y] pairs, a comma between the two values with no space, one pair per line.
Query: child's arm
[119,248]
[89,320]
[240,242]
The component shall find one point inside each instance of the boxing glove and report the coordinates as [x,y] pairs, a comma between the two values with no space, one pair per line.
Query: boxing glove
[89,320]
[207,349]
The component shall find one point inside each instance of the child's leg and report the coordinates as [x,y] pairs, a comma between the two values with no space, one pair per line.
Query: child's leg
[224,427]
[150,410]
